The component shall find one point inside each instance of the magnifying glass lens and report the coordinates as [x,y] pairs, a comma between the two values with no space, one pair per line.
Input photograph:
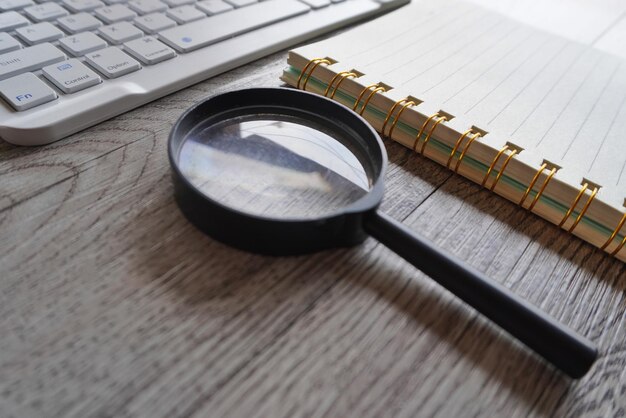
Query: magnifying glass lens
[276,166]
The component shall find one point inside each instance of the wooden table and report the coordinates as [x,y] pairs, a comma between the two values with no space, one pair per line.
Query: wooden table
[113,305]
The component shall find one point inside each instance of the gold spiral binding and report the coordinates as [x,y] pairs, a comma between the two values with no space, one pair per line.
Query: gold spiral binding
[506,162]
[405,103]
[304,70]
[532,184]
[432,129]
[456,146]
[575,203]
[373,88]
[569,212]
[332,96]
[308,77]
[543,187]
[582,212]
[465,149]
[619,247]
[360,96]
[343,75]
[410,103]
[493,164]
[389,113]
[423,128]
[615,232]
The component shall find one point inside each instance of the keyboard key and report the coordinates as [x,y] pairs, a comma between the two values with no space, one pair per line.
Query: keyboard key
[45,12]
[6,5]
[154,22]
[12,20]
[79,22]
[241,3]
[119,33]
[115,1]
[82,43]
[8,43]
[147,6]
[112,62]
[115,13]
[71,76]
[29,59]
[39,32]
[177,3]
[185,14]
[26,91]
[77,6]
[316,4]
[196,35]
[213,7]
[149,51]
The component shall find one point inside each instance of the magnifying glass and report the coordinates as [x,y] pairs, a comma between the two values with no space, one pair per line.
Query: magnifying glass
[283,172]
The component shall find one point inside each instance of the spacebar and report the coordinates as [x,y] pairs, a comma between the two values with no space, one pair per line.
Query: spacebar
[201,33]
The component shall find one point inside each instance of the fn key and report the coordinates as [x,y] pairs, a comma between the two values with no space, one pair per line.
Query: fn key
[25,91]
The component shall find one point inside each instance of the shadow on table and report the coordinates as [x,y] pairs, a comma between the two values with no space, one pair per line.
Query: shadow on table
[243,290]
[550,237]
[498,355]
[247,289]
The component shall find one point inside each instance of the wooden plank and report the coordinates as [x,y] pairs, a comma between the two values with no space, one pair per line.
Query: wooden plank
[111,304]
[27,171]
[106,287]
[421,352]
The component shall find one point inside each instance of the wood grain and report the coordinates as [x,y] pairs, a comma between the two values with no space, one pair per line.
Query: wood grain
[112,305]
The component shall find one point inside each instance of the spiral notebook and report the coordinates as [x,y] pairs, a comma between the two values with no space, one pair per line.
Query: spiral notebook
[535,117]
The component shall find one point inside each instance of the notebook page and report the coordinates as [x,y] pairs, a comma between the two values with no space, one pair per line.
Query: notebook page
[555,97]
[588,22]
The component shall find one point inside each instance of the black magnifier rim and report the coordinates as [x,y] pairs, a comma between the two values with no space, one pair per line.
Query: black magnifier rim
[272,235]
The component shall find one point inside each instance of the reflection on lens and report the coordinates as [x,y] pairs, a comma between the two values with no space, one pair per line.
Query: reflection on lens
[274,166]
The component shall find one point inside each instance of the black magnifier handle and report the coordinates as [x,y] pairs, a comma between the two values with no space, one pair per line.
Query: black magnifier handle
[561,346]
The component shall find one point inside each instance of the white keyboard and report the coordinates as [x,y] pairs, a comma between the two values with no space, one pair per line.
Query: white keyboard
[69,64]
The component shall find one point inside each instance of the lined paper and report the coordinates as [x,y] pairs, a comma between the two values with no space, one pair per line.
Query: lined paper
[550,91]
